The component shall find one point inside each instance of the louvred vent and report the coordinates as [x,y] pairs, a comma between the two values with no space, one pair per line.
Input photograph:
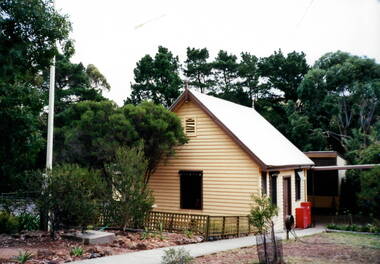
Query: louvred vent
[190,128]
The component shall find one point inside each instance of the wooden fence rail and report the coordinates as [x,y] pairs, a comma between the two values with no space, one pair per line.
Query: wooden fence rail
[206,225]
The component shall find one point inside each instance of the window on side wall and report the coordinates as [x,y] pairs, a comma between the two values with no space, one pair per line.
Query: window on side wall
[298,185]
[273,187]
[191,189]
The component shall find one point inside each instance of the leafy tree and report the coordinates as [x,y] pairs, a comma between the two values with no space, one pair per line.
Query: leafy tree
[248,72]
[301,131]
[225,71]
[93,132]
[29,30]
[284,73]
[157,79]
[97,129]
[198,70]
[74,83]
[369,196]
[226,74]
[160,130]
[341,93]
[133,199]
[27,39]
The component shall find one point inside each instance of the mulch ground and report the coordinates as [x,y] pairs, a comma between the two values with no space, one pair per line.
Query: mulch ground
[48,251]
[323,248]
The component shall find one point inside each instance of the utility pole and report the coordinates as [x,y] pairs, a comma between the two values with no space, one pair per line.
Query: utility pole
[46,223]
[49,151]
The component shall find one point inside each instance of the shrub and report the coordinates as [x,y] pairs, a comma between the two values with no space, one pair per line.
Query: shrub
[332,226]
[369,196]
[28,222]
[132,198]
[262,211]
[176,256]
[357,228]
[73,195]
[8,223]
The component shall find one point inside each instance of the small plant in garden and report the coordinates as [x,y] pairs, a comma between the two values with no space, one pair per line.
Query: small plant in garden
[23,257]
[189,233]
[145,234]
[176,256]
[161,231]
[261,213]
[76,251]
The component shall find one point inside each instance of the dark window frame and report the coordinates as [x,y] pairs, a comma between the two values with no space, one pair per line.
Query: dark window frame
[264,183]
[183,190]
[273,187]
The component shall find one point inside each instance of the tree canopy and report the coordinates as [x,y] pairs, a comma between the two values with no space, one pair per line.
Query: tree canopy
[97,129]
[157,78]
[29,33]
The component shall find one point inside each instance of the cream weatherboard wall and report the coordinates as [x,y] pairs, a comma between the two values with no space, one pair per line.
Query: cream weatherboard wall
[279,219]
[229,175]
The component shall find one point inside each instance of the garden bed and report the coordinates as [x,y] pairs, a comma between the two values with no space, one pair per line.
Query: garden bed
[329,248]
[47,250]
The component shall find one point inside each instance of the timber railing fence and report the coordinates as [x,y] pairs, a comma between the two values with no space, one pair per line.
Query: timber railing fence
[206,225]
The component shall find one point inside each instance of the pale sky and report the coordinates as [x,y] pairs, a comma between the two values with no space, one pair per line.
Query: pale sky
[110,33]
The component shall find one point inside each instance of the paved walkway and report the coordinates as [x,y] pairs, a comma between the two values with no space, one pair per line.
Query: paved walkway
[154,256]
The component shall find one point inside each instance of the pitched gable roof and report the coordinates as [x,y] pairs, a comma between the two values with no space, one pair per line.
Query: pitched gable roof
[262,141]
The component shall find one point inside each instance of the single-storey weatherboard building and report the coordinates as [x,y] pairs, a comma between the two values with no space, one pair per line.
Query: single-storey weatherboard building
[232,153]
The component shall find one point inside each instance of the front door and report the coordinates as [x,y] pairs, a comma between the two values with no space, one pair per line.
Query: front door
[287,197]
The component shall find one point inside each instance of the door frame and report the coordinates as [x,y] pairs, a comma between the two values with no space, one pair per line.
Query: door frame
[287,198]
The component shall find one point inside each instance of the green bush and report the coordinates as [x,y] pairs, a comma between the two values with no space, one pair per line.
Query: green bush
[73,195]
[356,228]
[369,196]
[9,224]
[262,211]
[132,199]
[176,256]
[28,222]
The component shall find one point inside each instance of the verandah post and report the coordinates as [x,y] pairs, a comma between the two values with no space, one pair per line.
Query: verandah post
[207,227]
[224,225]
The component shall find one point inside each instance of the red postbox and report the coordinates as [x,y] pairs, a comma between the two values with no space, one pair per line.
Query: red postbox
[301,218]
[307,206]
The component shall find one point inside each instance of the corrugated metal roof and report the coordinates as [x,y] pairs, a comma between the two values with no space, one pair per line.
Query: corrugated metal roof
[255,132]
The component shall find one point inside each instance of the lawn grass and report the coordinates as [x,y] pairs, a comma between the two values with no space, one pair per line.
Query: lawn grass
[326,248]
[356,240]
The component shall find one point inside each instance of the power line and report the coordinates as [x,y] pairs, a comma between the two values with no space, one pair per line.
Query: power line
[305,13]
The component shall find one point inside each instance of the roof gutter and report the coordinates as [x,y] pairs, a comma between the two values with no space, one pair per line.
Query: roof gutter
[289,167]
[344,167]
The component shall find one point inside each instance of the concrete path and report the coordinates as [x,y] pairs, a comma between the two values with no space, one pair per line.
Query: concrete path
[154,256]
